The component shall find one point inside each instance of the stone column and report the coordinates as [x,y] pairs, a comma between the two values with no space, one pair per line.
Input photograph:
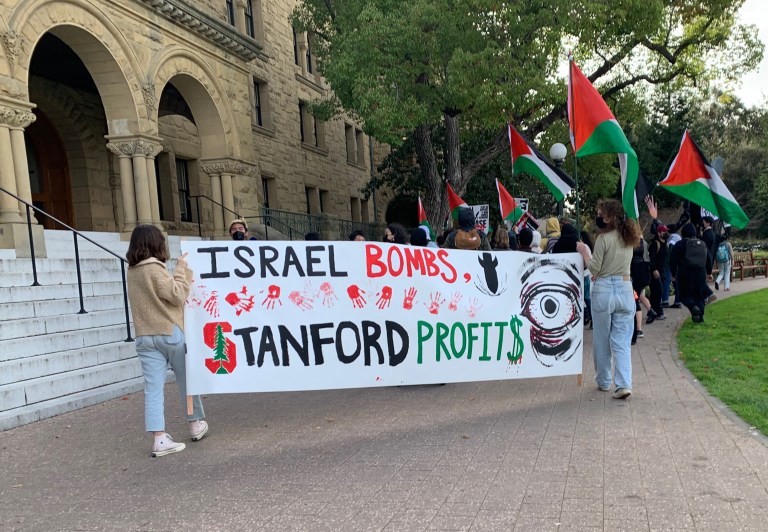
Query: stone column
[214,170]
[227,199]
[124,151]
[240,16]
[9,207]
[151,151]
[141,184]
[21,121]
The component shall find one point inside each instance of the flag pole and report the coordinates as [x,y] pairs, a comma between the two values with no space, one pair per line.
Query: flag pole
[575,159]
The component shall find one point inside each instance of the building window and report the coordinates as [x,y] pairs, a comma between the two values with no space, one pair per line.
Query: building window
[268,190]
[260,103]
[295,47]
[354,209]
[324,200]
[182,180]
[302,112]
[249,25]
[160,183]
[309,54]
[349,137]
[359,143]
[231,12]
[364,211]
[312,129]
[308,192]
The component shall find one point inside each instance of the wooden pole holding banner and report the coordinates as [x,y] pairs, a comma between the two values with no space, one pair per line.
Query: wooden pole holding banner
[580,376]
[190,406]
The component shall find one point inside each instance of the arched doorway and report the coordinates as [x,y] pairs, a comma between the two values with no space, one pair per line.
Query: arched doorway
[48,172]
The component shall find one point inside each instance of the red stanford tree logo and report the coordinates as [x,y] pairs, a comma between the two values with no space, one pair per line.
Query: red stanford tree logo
[224,350]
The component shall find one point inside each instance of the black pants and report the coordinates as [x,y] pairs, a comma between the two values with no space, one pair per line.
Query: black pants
[656,296]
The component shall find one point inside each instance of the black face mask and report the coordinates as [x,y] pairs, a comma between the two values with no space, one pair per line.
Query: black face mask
[238,235]
[600,223]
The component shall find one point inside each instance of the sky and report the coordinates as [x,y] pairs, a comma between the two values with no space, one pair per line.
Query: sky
[754,89]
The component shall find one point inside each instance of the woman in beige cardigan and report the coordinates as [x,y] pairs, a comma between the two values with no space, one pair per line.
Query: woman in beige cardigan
[157,304]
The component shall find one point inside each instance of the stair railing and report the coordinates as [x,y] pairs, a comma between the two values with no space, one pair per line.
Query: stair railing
[76,234]
[197,204]
[269,220]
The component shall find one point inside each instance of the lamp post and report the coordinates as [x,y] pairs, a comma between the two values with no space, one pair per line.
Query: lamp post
[557,153]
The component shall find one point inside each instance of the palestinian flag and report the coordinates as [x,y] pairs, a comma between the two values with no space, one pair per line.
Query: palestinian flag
[595,130]
[455,202]
[526,159]
[692,177]
[424,221]
[510,210]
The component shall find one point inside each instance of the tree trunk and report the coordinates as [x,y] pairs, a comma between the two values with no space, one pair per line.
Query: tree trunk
[435,198]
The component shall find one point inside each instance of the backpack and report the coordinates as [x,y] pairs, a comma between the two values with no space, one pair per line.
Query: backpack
[467,239]
[722,253]
[695,253]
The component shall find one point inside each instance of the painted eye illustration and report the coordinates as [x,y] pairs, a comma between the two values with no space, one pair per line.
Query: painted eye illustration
[550,300]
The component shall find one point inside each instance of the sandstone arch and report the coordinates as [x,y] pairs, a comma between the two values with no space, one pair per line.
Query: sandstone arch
[205,96]
[98,42]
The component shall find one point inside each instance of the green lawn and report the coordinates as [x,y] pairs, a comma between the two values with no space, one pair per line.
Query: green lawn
[729,354]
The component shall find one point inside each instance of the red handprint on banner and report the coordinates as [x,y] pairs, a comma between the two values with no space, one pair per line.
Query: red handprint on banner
[410,297]
[273,297]
[436,299]
[356,294]
[454,303]
[300,300]
[241,301]
[196,298]
[211,305]
[474,306]
[327,293]
[385,297]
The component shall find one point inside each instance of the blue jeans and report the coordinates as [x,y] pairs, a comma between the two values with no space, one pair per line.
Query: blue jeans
[613,318]
[155,353]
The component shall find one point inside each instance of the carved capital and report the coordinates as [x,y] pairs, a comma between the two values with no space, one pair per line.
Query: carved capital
[122,149]
[12,46]
[15,118]
[230,167]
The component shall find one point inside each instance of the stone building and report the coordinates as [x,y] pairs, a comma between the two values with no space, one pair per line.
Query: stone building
[114,113]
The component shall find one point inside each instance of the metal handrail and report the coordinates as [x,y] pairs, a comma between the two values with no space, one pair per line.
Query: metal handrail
[75,234]
[197,205]
[268,221]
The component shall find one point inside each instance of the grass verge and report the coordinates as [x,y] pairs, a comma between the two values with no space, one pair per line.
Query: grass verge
[728,354]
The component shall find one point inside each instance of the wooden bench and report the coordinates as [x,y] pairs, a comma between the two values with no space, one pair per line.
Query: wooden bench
[745,263]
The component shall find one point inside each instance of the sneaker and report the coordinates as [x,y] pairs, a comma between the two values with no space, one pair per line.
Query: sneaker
[665,304]
[166,445]
[661,317]
[622,393]
[640,334]
[676,305]
[604,389]
[651,317]
[717,285]
[711,299]
[198,429]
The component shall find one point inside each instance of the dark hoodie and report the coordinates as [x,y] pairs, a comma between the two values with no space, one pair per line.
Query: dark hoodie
[567,241]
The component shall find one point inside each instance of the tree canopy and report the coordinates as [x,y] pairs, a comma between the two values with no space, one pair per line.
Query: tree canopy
[439,72]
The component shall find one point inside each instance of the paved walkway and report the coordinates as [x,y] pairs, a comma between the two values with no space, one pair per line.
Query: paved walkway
[517,455]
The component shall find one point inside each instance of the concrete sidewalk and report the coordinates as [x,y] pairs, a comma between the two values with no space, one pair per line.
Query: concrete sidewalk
[534,455]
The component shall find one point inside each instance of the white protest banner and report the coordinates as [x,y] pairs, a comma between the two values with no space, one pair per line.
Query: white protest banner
[482,217]
[282,316]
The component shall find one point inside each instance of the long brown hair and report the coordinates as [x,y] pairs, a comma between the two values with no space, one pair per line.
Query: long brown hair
[628,230]
[147,241]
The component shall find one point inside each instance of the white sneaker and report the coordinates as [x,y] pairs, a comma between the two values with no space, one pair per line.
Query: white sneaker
[198,429]
[166,445]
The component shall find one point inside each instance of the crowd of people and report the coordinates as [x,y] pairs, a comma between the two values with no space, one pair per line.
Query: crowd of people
[624,273]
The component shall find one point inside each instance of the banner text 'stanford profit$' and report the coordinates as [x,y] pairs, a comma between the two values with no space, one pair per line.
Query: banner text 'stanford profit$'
[282,316]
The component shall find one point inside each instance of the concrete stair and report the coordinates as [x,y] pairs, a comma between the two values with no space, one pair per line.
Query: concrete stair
[52,358]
